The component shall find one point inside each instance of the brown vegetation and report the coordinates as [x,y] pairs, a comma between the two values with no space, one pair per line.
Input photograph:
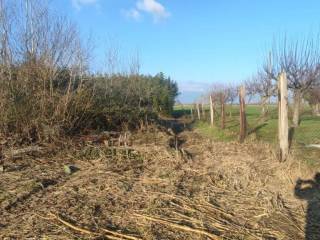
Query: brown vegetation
[47,90]
[199,190]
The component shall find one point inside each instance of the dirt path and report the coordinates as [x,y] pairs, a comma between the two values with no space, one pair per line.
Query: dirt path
[167,185]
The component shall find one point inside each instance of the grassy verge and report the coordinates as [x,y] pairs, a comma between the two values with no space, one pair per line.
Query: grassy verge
[264,129]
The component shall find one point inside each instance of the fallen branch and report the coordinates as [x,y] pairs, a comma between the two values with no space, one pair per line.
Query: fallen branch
[27,150]
[313,146]
[118,236]
[81,230]
[181,227]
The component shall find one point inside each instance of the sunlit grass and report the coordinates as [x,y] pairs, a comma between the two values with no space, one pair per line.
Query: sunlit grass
[263,129]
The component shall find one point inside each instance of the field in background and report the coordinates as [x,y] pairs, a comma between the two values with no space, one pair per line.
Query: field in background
[261,128]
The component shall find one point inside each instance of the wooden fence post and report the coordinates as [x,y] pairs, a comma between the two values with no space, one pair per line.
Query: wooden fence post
[211,110]
[198,111]
[203,110]
[243,120]
[191,112]
[283,116]
[223,113]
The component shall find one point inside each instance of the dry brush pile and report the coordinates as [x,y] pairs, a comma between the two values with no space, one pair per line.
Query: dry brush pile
[151,190]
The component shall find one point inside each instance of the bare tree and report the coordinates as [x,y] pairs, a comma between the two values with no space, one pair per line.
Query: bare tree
[222,94]
[261,85]
[300,59]
[5,31]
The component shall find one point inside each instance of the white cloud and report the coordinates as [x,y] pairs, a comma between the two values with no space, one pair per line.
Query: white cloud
[79,3]
[153,7]
[133,13]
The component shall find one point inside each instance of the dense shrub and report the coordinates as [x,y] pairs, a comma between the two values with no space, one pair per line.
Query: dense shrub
[46,88]
[125,100]
[74,103]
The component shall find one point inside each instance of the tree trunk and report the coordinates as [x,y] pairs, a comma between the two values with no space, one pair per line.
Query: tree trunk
[316,109]
[211,111]
[243,121]
[296,107]
[283,116]
[264,102]
[191,112]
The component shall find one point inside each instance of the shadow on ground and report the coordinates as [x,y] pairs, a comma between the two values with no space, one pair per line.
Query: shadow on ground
[309,190]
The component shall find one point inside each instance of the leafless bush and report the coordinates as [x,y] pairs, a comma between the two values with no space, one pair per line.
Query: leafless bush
[36,48]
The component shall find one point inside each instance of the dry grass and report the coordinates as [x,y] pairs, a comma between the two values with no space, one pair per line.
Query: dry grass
[203,190]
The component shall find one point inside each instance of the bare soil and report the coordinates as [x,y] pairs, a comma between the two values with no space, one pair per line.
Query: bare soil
[166,184]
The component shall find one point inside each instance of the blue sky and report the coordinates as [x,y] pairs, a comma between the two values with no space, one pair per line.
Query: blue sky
[197,43]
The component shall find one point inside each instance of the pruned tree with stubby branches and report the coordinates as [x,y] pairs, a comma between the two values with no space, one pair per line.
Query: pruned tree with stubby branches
[221,95]
[300,59]
[263,86]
